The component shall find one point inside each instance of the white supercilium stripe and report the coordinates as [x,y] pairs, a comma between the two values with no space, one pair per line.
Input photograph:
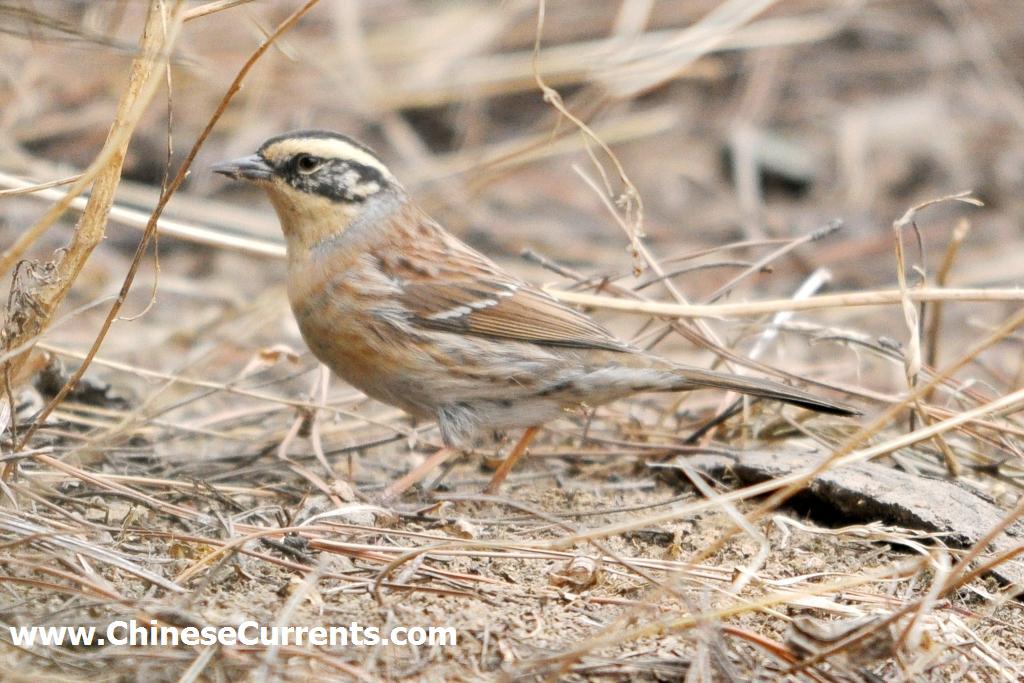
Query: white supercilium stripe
[327,148]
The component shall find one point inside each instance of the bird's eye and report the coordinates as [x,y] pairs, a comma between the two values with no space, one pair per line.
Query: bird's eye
[307,163]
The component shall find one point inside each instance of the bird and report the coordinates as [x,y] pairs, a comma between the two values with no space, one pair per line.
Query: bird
[406,312]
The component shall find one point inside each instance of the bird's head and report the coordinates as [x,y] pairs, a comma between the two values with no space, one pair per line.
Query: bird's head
[321,183]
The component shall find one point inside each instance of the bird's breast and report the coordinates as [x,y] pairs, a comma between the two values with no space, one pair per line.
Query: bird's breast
[344,321]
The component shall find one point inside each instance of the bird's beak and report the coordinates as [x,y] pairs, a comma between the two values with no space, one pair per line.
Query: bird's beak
[252,168]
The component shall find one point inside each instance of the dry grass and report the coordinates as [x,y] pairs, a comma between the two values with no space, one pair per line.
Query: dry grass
[675,167]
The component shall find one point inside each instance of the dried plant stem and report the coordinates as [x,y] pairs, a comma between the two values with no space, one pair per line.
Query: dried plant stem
[198,234]
[158,37]
[785,487]
[28,188]
[165,197]
[960,233]
[212,8]
[914,321]
[142,85]
[884,297]
[960,575]
[846,454]
[647,628]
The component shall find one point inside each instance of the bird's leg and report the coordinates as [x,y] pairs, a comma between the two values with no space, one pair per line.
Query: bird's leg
[506,466]
[398,487]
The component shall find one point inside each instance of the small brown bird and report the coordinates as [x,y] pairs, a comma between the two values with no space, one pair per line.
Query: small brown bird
[401,309]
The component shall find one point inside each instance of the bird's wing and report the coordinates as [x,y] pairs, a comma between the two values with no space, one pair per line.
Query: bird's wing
[449,286]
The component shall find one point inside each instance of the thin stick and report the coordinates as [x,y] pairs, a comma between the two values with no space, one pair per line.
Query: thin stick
[935,322]
[212,7]
[191,232]
[883,297]
[29,188]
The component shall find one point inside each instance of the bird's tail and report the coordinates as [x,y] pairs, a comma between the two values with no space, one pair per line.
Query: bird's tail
[687,378]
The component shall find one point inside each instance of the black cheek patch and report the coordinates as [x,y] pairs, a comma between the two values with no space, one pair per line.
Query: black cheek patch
[338,181]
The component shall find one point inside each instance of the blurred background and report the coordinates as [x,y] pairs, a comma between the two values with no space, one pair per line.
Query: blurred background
[735,121]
